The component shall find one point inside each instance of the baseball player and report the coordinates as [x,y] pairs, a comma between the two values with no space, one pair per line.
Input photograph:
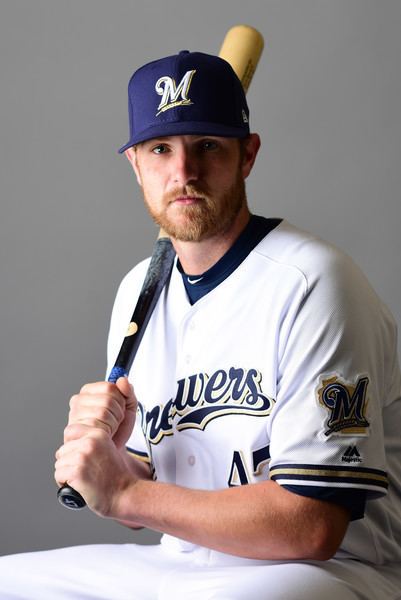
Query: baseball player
[259,428]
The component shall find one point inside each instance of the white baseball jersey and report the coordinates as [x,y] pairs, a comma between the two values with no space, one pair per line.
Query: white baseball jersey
[286,370]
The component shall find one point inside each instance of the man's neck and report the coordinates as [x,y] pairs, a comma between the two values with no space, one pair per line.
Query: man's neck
[198,257]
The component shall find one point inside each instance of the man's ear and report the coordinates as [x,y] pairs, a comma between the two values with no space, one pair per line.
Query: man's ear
[130,153]
[250,150]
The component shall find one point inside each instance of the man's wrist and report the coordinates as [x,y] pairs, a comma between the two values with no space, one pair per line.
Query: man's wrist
[129,503]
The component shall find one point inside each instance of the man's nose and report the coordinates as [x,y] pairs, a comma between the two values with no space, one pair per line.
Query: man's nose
[186,167]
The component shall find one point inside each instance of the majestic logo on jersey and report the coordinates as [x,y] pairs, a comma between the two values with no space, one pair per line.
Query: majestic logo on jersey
[351,455]
[173,95]
[346,403]
[200,398]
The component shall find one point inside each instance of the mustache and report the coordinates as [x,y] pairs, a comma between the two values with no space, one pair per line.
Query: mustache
[200,191]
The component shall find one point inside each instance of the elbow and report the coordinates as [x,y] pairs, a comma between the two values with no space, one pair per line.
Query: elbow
[323,530]
[129,524]
[318,542]
[323,541]
[322,552]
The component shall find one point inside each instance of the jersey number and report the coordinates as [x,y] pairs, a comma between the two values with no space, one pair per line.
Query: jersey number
[239,474]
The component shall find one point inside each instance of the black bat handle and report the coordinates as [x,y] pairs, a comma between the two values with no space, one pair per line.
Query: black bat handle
[70,498]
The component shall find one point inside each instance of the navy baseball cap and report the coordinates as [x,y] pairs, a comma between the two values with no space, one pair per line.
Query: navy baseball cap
[189,93]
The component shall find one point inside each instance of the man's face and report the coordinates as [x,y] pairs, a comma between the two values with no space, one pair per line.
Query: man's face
[193,186]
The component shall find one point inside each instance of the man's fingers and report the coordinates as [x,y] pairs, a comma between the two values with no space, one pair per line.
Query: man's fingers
[100,409]
[125,387]
[76,431]
[127,390]
[110,407]
[76,450]
[99,387]
[120,391]
[105,410]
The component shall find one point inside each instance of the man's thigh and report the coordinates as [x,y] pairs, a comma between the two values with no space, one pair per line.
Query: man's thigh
[94,572]
[333,580]
[133,572]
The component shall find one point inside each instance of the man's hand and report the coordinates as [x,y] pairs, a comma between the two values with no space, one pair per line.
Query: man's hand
[93,458]
[96,468]
[106,406]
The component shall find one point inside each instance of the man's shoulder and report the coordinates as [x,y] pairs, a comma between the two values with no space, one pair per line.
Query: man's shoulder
[129,288]
[292,248]
[135,276]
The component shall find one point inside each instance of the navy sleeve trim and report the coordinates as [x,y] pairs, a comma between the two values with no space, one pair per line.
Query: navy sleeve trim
[327,475]
[352,499]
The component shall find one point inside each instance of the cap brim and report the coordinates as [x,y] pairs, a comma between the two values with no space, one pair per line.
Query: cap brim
[187,128]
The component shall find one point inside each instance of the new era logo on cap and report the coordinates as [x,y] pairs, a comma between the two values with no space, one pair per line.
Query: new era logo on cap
[187,93]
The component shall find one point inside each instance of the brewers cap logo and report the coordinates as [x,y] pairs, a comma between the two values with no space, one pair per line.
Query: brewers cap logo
[173,95]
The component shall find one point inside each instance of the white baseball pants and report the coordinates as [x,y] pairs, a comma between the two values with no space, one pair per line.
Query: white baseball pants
[134,572]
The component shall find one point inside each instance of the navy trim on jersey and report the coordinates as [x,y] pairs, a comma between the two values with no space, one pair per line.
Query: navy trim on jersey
[142,456]
[198,286]
[359,477]
[353,499]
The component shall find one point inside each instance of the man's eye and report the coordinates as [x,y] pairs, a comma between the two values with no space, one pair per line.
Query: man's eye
[159,149]
[209,145]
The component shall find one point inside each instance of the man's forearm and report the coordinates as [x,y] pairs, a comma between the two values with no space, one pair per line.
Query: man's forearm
[262,521]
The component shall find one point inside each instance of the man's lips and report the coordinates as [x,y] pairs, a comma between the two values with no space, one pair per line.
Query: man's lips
[186,200]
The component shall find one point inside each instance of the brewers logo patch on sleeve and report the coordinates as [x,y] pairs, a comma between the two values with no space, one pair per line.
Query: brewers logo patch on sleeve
[346,404]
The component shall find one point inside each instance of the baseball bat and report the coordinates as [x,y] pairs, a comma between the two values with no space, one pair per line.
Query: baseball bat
[242,48]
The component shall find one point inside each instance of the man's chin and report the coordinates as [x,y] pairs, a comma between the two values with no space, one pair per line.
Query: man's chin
[185,234]
[185,225]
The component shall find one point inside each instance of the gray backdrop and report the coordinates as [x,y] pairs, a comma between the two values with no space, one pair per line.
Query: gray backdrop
[326,100]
